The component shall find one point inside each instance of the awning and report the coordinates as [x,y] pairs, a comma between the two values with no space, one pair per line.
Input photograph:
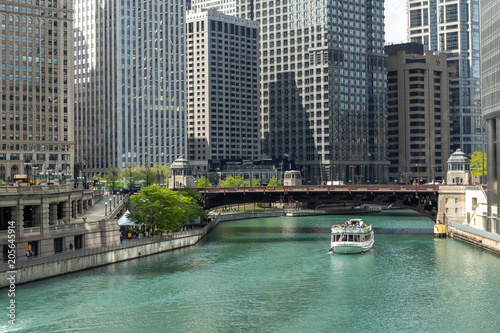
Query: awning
[124,220]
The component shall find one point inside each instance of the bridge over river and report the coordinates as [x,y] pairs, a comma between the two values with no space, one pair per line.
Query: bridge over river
[421,198]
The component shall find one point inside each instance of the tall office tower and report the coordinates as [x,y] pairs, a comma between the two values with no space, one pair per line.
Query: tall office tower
[490,72]
[227,7]
[37,88]
[223,88]
[418,127]
[453,27]
[323,86]
[129,83]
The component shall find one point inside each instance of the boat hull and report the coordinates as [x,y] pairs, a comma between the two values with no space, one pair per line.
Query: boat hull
[351,247]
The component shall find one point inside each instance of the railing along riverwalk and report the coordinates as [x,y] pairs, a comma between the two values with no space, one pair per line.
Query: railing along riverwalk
[128,243]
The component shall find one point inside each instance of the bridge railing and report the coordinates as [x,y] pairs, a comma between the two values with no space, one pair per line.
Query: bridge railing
[313,188]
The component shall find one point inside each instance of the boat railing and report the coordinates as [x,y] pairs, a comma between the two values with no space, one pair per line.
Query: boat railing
[351,229]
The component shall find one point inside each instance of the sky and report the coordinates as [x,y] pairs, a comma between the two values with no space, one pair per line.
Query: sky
[395,21]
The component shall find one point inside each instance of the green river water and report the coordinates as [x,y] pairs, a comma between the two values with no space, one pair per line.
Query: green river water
[276,275]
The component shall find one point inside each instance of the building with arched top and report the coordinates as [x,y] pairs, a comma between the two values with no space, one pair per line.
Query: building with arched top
[458,169]
[181,174]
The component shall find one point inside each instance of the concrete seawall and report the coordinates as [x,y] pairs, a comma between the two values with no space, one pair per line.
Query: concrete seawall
[485,240]
[47,269]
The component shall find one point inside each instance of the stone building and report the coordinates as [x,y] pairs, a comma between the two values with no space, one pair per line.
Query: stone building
[181,174]
[36,132]
[49,218]
[292,178]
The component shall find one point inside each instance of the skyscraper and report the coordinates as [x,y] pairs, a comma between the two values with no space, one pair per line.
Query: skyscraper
[490,71]
[418,121]
[323,86]
[37,88]
[129,83]
[227,7]
[223,88]
[453,27]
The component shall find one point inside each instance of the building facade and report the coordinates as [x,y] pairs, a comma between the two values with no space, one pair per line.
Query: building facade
[223,88]
[418,120]
[453,27]
[227,7]
[37,89]
[48,219]
[323,86]
[490,69]
[129,83]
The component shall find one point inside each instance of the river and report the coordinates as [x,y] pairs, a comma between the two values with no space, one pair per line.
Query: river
[276,275]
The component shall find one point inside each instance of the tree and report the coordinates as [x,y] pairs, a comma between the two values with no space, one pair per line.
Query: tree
[112,176]
[157,206]
[147,174]
[203,182]
[231,181]
[255,182]
[189,192]
[135,175]
[476,164]
[130,175]
[273,182]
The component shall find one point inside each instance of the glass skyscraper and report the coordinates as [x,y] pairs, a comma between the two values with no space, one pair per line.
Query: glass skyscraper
[453,27]
[490,71]
[227,7]
[129,83]
[323,86]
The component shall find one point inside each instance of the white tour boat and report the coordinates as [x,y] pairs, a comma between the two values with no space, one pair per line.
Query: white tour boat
[352,237]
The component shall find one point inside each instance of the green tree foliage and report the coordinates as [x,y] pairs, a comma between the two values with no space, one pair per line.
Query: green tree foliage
[476,163]
[273,182]
[255,182]
[197,196]
[112,176]
[130,175]
[164,208]
[237,181]
[231,181]
[148,175]
[201,182]
[145,176]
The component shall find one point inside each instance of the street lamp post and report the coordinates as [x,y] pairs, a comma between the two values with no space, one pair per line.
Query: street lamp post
[35,172]
[28,165]
[48,176]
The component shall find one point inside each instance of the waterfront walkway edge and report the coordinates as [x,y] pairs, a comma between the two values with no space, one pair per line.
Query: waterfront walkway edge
[77,260]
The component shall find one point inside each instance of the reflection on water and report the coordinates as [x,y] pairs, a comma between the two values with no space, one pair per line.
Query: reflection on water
[276,275]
